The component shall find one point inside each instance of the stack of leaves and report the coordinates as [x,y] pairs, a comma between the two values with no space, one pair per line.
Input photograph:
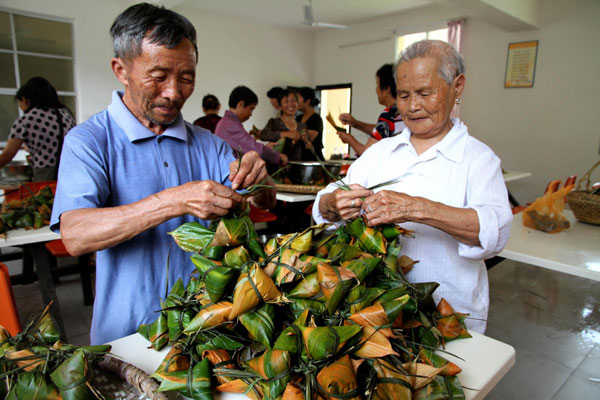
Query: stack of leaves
[311,315]
[31,213]
[35,364]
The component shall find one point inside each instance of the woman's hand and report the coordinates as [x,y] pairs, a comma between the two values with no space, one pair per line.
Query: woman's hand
[343,204]
[293,135]
[389,207]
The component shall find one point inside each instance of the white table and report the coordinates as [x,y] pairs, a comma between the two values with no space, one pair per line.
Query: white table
[32,242]
[575,251]
[295,197]
[486,361]
[510,176]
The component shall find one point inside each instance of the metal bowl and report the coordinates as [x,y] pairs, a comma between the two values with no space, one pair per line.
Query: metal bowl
[312,172]
[16,171]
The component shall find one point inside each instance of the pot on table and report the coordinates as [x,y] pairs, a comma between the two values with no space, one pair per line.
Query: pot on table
[16,171]
[312,172]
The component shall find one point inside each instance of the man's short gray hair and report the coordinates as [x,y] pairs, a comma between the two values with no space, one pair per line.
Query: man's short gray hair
[451,63]
[161,26]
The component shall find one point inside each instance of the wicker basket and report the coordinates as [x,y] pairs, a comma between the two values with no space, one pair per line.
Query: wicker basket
[306,189]
[585,205]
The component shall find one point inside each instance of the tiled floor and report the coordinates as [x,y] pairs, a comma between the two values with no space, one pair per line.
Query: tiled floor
[551,319]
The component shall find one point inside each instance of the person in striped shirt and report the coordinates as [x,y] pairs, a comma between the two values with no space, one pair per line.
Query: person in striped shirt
[389,122]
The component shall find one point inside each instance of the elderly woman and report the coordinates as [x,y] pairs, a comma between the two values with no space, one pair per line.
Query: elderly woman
[448,185]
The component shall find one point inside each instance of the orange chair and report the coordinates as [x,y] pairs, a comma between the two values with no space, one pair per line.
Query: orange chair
[57,249]
[9,318]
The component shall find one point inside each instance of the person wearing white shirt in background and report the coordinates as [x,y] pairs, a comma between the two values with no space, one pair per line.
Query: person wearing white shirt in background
[449,187]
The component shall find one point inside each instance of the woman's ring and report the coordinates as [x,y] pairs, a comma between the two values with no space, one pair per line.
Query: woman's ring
[353,202]
[369,209]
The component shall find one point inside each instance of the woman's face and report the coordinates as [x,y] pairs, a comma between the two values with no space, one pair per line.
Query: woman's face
[425,100]
[301,103]
[23,103]
[289,104]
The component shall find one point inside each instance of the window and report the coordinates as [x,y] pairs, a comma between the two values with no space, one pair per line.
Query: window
[335,99]
[33,46]
[403,42]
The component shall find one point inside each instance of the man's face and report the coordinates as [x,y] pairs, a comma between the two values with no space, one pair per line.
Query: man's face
[381,94]
[158,82]
[246,111]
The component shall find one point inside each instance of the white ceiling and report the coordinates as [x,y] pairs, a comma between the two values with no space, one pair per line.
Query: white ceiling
[289,13]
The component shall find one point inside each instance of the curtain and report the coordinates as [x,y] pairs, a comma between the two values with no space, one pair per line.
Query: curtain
[455,38]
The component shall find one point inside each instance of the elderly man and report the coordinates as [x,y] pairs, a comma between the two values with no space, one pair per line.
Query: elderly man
[137,170]
[448,185]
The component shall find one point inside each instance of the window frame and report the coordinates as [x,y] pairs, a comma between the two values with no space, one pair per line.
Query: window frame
[425,28]
[16,53]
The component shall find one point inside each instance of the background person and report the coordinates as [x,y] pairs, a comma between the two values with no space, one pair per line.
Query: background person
[389,122]
[211,107]
[273,95]
[449,187]
[242,102]
[136,171]
[294,134]
[41,128]
[314,123]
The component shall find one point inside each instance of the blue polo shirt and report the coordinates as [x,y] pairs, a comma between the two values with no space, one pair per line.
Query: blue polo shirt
[112,160]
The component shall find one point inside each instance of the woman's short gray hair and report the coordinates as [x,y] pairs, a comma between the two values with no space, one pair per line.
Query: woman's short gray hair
[451,63]
[161,26]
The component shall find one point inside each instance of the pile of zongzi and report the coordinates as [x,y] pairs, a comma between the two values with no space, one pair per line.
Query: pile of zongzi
[311,315]
[31,213]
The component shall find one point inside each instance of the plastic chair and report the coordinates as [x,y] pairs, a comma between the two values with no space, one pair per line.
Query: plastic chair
[57,249]
[9,318]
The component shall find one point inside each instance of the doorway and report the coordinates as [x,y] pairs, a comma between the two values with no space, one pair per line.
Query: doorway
[335,100]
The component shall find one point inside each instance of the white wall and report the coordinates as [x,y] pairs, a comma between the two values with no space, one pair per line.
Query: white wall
[239,52]
[551,129]
[232,52]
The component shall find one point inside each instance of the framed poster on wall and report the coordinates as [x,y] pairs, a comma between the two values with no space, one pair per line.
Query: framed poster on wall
[520,64]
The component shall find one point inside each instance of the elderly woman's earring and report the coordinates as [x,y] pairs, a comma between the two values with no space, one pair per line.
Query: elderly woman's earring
[458,100]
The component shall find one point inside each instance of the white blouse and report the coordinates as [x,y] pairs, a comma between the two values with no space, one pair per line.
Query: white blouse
[458,171]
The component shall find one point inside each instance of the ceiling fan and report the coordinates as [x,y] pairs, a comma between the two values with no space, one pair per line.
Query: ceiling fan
[309,19]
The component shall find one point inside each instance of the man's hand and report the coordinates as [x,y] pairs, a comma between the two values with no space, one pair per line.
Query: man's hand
[345,137]
[389,207]
[347,119]
[343,204]
[250,171]
[206,199]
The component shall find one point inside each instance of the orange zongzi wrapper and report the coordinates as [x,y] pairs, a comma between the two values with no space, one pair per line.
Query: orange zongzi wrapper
[391,391]
[338,379]
[209,317]
[374,344]
[245,296]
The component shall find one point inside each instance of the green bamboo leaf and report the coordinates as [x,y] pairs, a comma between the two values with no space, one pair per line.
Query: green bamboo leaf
[362,267]
[360,297]
[212,341]
[158,334]
[35,386]
[236,258]
[308,287]
[324,342]
[260,323]
[192,236]
[369,239]
[71,376]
